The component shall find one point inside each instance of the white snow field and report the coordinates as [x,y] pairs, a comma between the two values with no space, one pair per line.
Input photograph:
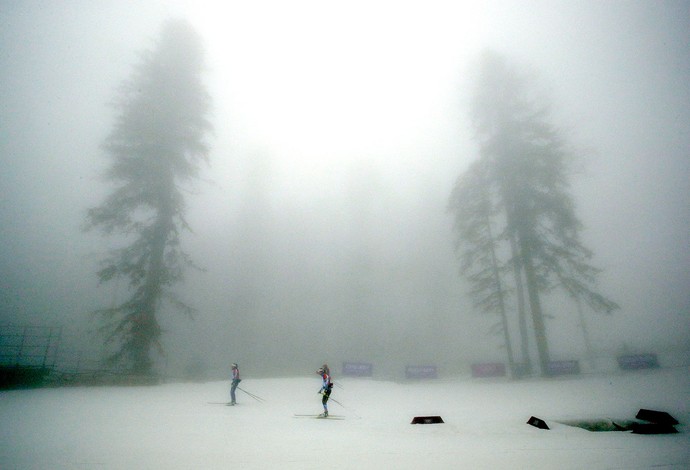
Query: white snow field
[173,426]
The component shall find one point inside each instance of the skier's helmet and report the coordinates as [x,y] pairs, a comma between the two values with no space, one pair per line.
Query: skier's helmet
[234,365]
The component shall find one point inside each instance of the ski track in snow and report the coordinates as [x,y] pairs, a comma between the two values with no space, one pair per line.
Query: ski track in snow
[175,426]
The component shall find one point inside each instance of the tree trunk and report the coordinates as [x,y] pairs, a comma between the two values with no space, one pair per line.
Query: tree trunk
[147,328]
[535,307]
[585,335]
[501,303]
[522,315]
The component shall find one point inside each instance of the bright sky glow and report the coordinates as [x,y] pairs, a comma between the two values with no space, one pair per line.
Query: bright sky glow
[323,82]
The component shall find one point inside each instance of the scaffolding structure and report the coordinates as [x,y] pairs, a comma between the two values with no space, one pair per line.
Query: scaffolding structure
[27,354]
[29,346]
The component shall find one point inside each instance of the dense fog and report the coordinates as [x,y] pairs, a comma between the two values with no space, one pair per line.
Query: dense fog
[321,218]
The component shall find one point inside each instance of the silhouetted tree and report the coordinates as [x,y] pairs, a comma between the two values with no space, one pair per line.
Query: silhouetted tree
[475,209]
[155,146]
[526,162]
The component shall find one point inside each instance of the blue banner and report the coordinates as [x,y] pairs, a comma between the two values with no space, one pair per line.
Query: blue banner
[638,361]
[358,369]
[421,372]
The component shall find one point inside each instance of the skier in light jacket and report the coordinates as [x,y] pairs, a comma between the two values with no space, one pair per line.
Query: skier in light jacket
[326,387]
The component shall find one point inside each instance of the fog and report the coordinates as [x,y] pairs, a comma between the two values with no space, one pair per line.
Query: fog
[339,130]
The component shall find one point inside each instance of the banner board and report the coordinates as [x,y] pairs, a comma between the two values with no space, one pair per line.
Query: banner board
[521,369]
[563,367]
[358,369]
[421,372]
[638,361]
[488,369]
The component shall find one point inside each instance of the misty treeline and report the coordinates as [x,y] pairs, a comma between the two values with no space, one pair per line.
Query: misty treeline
[155,148]
[517,234]
[515,224]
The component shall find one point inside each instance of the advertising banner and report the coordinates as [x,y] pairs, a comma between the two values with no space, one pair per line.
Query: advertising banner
[358,369]
[421,372]
[638,361]
[488,369]
[563,367]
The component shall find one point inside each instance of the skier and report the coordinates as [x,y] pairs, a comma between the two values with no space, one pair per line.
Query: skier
[235,382]
[326,387]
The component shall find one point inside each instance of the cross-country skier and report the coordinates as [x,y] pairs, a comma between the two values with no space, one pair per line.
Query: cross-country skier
[235,382]
[326,387]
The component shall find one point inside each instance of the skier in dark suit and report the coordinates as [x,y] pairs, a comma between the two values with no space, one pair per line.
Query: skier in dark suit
[235,382]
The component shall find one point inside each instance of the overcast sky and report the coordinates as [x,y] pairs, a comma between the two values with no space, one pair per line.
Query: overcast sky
[339,130]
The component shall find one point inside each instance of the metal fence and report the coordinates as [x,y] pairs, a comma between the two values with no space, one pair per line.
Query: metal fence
[33,356]
[29,346]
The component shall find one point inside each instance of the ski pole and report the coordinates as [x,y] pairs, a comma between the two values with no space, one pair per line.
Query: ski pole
[334,400]
[259,399]
[343,406]
[255,397]
[337,402]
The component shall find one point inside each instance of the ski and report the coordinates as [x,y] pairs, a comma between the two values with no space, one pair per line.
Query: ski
[219,403]
[320,416]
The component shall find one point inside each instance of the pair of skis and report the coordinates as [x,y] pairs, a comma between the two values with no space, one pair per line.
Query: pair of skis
[321,416]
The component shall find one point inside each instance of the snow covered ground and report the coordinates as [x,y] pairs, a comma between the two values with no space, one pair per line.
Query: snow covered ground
[173,426]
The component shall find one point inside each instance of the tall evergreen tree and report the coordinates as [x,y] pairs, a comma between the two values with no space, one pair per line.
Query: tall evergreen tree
[475,209]
[155,148]
[527,171]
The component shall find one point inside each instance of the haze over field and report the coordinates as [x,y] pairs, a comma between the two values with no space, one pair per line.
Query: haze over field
[339,130]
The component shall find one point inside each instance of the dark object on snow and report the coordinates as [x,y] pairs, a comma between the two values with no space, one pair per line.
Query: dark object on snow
[660,422]
[427,420]
[653,428]
[599,425]
[658,417]
[622,426]
[663,425]
[537,423]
